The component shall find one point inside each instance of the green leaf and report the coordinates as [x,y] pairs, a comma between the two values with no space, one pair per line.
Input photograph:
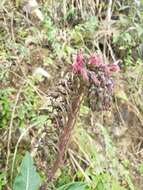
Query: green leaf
[39,120]
[28,178]
[121,95]
[74,186]
[84,110]
[140,168]
[127,37]
[91,23]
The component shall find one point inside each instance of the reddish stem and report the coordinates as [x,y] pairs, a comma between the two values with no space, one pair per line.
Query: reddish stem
[66,133]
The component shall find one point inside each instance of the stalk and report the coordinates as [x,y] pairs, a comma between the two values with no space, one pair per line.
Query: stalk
[67,132]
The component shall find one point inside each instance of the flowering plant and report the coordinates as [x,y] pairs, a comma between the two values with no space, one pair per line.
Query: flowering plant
[98,76]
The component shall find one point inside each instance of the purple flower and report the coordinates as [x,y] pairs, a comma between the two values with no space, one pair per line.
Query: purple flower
[94,78]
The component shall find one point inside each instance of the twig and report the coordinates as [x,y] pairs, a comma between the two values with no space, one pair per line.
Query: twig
[16,147]
[10,127]
[79,167]
[109,14]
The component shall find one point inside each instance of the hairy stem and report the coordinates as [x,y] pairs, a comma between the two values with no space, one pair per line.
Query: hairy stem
[66,133]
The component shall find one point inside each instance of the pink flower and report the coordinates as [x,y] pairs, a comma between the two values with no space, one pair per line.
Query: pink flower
[95,60]
[78,63]
[84,74]
[78,66]
[113,68]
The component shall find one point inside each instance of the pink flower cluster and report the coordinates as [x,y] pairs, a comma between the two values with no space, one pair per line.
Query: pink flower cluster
[78,63]
[95,60]
[80,67]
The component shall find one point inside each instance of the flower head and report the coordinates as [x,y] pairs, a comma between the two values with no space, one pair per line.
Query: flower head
[78,63]
[113,67]
[95,60]
[94,78]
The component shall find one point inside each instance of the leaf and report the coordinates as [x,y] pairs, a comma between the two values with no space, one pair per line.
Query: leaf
[121,95]
[74,186]
[28,178]
[127,37]
[40,120]
[92,23]
[84,110]
[140,168]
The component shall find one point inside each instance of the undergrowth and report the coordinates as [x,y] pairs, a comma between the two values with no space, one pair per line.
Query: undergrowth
[37,46]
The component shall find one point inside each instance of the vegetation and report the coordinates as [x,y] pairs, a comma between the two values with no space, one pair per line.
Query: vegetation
[71,84]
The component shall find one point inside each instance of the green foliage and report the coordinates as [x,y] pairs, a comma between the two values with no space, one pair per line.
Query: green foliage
[67,27]
[28,178]
[74,186]
[64,177]
[2,180]
[19,50]
[70,14]
[140,168]
[84,110]
[27,108]
[50,30]
[104,169]
[128,34]
[5,106]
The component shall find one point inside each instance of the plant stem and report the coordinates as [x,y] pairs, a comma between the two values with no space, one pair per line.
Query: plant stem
[66,133]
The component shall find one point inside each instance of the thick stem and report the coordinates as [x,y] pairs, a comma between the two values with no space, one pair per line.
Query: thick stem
[66,133]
